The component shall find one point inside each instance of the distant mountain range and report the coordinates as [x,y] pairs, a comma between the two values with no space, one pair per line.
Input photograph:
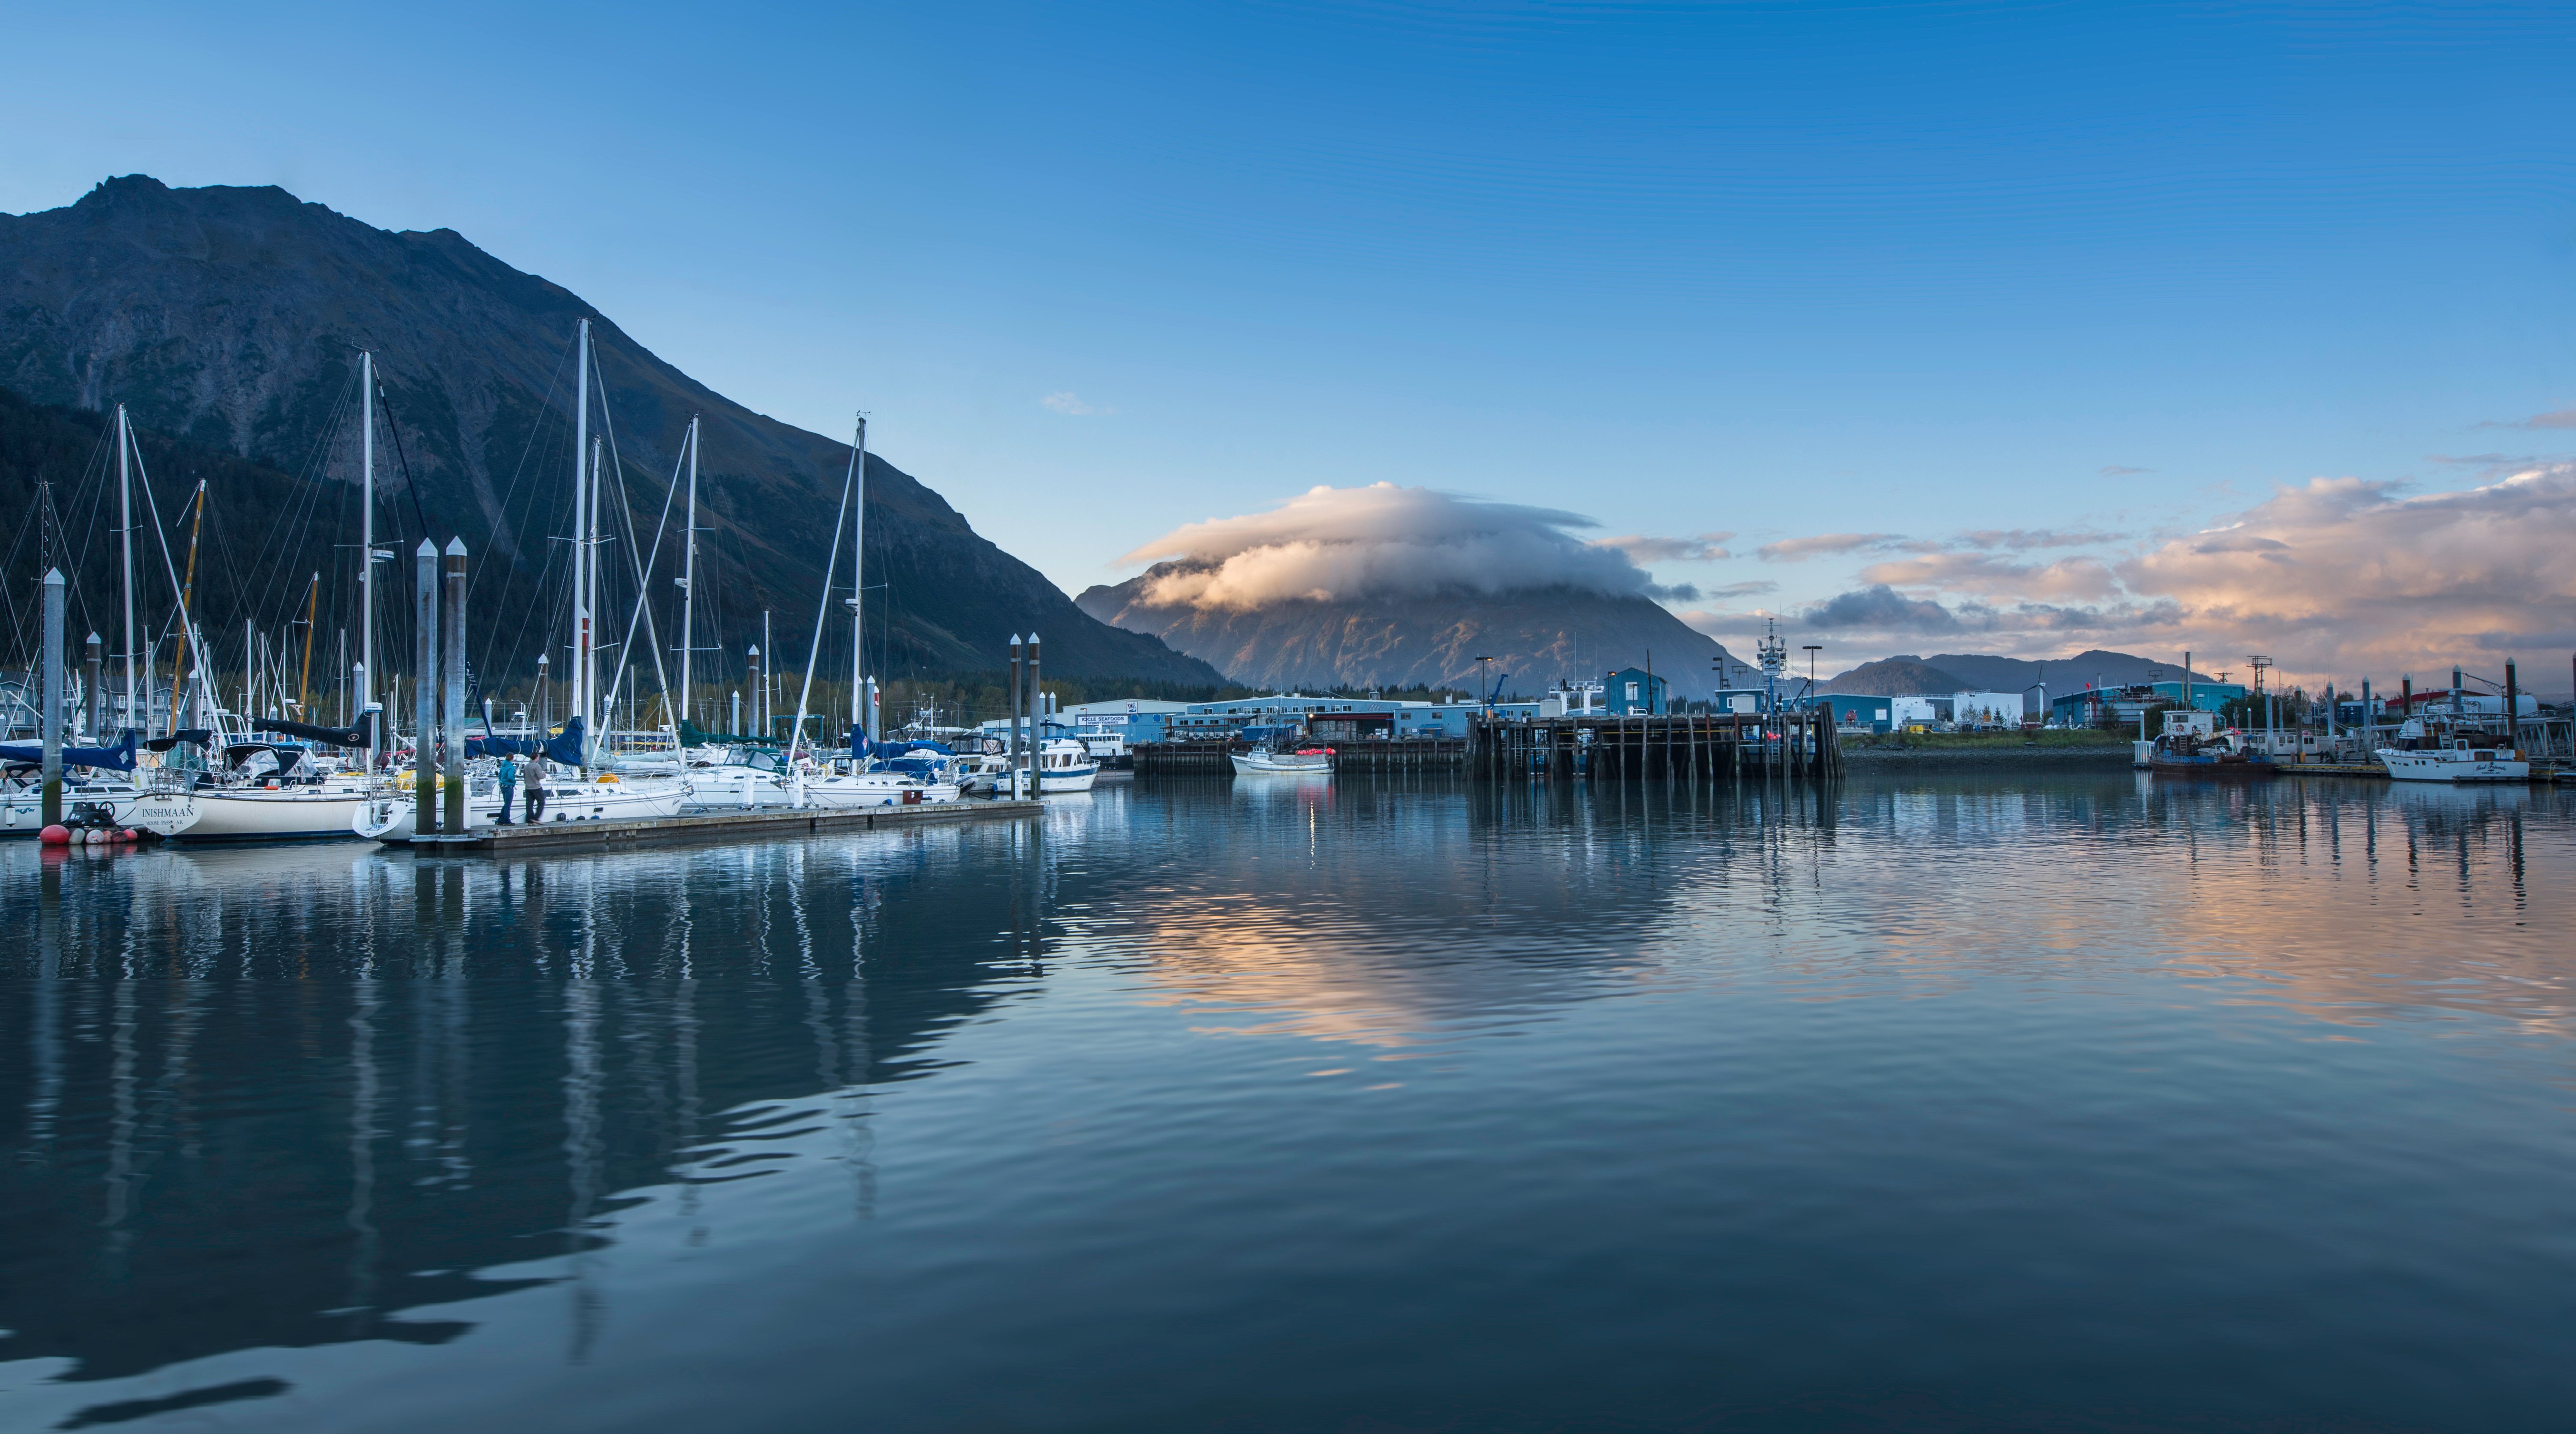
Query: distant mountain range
[230,319]
[1533,637]
[1910,676]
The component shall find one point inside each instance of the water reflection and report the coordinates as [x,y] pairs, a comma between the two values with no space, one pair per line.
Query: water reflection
[289,1099]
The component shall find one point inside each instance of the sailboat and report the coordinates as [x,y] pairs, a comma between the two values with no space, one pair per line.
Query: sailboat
[138,800]
[281,790]
[799,778]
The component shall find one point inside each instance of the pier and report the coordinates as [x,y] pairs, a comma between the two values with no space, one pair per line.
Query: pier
[1690,747]
[768,822]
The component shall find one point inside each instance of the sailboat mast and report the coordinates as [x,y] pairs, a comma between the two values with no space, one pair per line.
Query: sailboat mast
[125,548]
[858,582]
[689,574]
[304,675]
[366,529]
[581,540]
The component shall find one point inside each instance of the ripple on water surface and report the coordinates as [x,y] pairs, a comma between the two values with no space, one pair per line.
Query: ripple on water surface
[1937,1103]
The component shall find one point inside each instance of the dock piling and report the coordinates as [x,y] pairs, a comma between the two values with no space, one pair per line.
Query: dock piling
[424,765]
[451,736]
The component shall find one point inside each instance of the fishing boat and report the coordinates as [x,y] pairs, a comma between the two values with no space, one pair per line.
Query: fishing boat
[2224,754]
[2458,759]
[1268,761]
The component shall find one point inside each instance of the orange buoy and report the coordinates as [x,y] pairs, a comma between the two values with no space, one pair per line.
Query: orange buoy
[55,835]
[131,835]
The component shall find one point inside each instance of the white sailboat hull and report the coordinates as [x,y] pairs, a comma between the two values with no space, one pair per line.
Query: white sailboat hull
[161,813]
[280,814]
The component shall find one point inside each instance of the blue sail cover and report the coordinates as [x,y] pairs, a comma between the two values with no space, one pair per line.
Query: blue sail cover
[357,736]
[860,746]
[562,744]
[120,757]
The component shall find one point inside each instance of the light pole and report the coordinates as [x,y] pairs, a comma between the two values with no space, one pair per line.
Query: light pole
[1484,698]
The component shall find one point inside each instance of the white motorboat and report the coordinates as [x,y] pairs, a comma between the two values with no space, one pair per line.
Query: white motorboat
[983,774]
[1065,765]
[1263,761]
[743,787]
[2456,760]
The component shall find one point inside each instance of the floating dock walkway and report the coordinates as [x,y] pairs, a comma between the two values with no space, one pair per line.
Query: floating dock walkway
[760,822]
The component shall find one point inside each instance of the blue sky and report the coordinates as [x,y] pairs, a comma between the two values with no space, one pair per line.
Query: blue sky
[1898,273]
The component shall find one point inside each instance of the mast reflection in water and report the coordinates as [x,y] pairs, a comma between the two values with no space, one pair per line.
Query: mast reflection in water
[1944,1102]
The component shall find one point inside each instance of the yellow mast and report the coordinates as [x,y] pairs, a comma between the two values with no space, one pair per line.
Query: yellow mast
[187,592]
[304,678]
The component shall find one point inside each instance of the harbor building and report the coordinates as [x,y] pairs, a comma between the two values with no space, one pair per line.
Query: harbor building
[1859,712]
[2088,706]
[1635,692]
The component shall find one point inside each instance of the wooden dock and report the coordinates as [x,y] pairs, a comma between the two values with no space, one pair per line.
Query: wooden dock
[1397,756]
[707,826]
[1681,748]
[1213,758]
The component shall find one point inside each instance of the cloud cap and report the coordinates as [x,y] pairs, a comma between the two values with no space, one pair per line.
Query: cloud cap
[1339,544]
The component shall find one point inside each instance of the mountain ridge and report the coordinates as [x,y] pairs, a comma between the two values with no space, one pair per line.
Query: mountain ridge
[1535,637]
[231,317]
[1907,675]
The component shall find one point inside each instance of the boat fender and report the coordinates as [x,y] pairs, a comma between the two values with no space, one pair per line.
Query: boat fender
[55,835]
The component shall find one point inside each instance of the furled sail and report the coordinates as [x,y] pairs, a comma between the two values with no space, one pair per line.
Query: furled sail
[120,757]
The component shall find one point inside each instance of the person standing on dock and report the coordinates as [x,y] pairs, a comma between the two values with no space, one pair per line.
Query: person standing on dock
[509,773]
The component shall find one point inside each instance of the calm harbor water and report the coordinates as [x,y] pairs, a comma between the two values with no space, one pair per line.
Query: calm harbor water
[2074,1101]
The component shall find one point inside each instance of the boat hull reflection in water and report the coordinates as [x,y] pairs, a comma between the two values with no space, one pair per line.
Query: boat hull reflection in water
[1935,1104]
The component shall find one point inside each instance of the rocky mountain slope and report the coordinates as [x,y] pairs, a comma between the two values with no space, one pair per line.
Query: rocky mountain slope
[1897,677]
[232,317]
[1536,637]
[1907,675]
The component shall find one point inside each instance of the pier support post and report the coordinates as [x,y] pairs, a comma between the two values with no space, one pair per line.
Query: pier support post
[452,730]
[52,696]
[91,712]
[1014,758]
[424,707]
[2512,708]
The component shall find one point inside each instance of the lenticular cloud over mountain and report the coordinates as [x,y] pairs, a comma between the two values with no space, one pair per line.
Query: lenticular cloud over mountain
[1339,544]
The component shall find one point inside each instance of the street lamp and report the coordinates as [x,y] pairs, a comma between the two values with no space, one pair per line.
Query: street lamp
[1483,696]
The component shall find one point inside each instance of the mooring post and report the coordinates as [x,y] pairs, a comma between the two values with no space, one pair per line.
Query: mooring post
[52,726]
[91,710]
[2512,708]
[424,761]
[1037,699]
[1014,758]
[451,735]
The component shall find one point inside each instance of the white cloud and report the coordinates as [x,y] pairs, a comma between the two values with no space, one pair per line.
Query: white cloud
[1337,543]
[1798,550]
[1706,548]
[1070,402]
[2336,577]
